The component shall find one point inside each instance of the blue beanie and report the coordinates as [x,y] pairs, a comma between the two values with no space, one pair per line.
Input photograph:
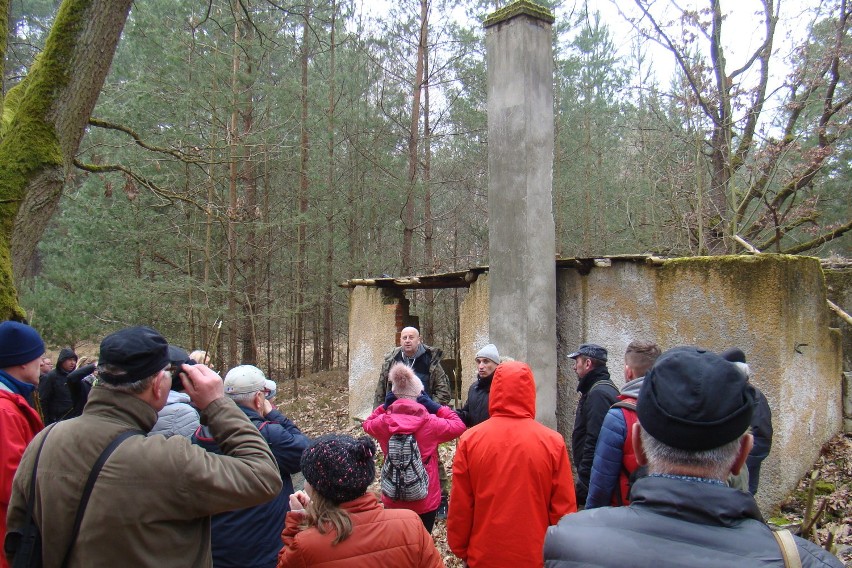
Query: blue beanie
[19,344]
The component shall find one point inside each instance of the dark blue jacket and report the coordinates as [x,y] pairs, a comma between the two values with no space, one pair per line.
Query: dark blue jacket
[674,522]
[251,538]
[609,454]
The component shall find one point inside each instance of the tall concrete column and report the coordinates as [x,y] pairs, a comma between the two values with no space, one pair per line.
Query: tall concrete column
[521,235]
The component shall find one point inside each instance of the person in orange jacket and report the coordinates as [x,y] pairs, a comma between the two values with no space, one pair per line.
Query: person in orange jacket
[515,473]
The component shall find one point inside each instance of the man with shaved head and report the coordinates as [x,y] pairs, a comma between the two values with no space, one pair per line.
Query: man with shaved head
[425,361]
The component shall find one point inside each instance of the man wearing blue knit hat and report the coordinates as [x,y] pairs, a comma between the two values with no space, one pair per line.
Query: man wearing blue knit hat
[21,348]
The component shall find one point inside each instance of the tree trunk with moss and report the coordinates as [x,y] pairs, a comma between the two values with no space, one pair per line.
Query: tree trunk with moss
[43,120]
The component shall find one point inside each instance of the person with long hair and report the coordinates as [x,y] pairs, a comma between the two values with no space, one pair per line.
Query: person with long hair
[335,522]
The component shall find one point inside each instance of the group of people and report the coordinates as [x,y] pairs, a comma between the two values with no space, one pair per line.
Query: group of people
[203,476]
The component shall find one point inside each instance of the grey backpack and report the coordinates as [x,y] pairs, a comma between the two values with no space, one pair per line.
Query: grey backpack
[404,476]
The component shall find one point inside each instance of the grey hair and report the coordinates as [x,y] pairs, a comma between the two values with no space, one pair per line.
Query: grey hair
[713,464]
[245,398]
[136,387]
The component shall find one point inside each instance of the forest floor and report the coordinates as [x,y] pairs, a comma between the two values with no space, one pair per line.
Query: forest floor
[322,407]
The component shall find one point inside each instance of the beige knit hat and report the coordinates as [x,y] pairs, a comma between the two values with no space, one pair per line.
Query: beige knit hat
[405,382]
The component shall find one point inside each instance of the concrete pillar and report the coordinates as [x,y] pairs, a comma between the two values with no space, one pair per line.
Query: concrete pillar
[522,273]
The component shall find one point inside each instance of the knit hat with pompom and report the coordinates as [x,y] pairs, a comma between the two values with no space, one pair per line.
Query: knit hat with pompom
[405,382]
[339,467]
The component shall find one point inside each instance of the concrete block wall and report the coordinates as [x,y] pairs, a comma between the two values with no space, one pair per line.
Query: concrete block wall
[376,316]
[473,330]
[771,306]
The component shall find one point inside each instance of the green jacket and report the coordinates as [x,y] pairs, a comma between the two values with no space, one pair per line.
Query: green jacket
[152,501]
[439,384]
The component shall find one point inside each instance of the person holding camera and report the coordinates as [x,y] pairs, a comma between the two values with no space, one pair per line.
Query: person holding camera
[152,501]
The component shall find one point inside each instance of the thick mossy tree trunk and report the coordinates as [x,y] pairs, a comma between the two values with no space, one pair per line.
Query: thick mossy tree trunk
[44,118]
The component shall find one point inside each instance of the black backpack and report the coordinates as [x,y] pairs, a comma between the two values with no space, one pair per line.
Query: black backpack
[404,476]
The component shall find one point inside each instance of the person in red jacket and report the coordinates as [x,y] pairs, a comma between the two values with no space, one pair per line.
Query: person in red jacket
[21,348]
[335,523]
[511,479]
[409,410]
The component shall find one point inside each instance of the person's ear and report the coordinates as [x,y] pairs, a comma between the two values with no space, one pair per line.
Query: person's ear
[746,443]
[638,448]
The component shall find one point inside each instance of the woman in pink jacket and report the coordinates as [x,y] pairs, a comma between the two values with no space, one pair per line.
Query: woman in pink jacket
[408,410]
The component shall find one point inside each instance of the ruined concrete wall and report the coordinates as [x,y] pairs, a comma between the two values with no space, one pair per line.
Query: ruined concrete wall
[839,288]
[771,306]
[375,318]
[473,330]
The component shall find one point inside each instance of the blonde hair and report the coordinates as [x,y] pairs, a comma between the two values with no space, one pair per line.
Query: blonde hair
[199,356]
[325,516]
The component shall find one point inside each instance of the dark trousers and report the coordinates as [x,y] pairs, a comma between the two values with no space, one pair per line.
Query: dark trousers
[429,520]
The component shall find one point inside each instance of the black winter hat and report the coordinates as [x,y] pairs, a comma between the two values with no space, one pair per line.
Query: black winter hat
[138,351]
[695,400]
[339,467]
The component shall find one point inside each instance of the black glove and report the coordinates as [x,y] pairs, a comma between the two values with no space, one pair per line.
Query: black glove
[389,399]
[430,404]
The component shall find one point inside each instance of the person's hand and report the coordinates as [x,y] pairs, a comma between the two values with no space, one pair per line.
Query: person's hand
[267,407]
[299,501]
[430,404]
[202,384]
[390,398]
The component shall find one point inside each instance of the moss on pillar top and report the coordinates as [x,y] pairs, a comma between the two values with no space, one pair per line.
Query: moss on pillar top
[517,8]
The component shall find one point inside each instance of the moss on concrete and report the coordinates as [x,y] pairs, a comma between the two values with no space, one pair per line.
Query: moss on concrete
[518,8]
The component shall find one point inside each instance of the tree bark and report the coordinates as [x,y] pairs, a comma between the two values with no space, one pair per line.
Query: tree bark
[44,119]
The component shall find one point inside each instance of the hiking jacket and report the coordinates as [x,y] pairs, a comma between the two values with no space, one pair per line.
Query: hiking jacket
[380,537]
[674,522]
[406,416]
[53,391]
[475,410]
[177,418]
[592,407]
[435,382]
[614,457]
[19,423]
[251,537]
[151,503]
[511,479]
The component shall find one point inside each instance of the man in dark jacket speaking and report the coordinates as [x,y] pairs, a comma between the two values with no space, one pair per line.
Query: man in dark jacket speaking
[694,411]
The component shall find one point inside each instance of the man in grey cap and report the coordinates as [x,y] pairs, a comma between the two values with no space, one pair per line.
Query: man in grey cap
[694,411]
[475,409]
[597,394]
[152,501]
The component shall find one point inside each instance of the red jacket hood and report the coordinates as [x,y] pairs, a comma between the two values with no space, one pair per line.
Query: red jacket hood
[512,391]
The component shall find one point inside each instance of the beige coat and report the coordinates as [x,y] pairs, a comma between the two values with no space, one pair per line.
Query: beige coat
[152,501]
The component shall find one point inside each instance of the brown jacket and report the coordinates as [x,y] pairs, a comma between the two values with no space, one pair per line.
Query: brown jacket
[380,538]
[151,503]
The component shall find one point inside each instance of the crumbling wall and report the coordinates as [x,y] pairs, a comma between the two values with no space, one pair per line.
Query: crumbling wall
[473,330]
[376,315]
[771,306]
[839,289]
